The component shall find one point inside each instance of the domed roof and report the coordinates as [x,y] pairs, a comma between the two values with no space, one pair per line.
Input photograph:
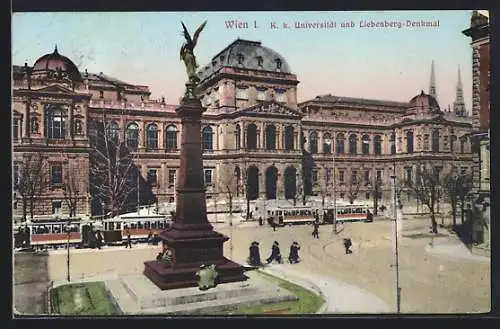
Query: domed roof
[54,62]
[424,100]
[248,55]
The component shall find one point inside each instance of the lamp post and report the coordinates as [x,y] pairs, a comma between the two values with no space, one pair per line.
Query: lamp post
[330,142]
[395,215]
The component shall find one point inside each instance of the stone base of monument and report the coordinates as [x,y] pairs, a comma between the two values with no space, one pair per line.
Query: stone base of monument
[135,294]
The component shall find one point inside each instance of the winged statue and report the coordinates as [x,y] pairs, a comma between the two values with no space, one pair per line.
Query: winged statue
[187,51]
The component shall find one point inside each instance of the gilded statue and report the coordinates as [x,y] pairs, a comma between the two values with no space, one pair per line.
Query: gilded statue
[187,52]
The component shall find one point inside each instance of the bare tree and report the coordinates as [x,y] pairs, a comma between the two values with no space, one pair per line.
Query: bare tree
[111,168]
[71,188]
[376,194]
[32,181]
[228,184]
[353,185]
[457,186]
[426,187]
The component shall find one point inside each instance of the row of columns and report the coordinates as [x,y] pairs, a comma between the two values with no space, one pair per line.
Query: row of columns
[261,135]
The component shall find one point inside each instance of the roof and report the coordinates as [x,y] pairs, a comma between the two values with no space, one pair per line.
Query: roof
[361,101]
[54,62]
[255,57]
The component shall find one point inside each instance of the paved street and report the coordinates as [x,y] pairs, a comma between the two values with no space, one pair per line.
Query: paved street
[431,282]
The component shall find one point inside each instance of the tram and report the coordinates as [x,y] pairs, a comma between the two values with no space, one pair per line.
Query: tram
[346,213]
[290,215]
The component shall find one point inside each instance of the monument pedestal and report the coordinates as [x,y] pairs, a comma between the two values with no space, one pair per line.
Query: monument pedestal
[191,239]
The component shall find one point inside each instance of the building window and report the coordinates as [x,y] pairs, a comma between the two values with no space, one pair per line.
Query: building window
[327,144]
[15,129]
[242,92]
[328,176]
[171,138]
[57,207]
[280,95]
[270,137]
[409,142]
[15,179]
[237,135]
[278,63]
[56,175]
[252,137]
[171,177]
[453,139]
[408,173]
[55,121]
[353,144]
[313,143]
[152,177]
[339,144]
[152,137]
[435,141]
[260,61]
[208,177]
[113,131]
[354,177]
[240,58]
[132,136]
[377,145]
[426,142]
[341,176]
[367,177]
[78,127]
[393,144]
[35,126]
[289,137]
[379,175]
[207,138]
[261,94]
[314,177]
[462,145]
[365,146]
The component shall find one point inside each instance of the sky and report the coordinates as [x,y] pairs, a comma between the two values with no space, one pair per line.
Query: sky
[388,63]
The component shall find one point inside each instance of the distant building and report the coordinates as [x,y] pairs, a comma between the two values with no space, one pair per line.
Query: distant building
[479,32]
[258,141]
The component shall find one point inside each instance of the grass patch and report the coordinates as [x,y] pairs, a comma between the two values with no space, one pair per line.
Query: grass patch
[307,303]
[82,299]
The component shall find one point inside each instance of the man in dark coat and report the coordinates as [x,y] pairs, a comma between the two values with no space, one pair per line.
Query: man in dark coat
[254,258]
[347,245]
[129,240]
[275,253]
[369,216]
[293,257]
[315,232]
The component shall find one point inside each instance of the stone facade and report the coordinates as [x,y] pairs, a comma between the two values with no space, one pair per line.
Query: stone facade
[257,139]
[479,32]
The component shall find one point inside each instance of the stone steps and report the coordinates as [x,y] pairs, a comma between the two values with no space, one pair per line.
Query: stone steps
[121,298]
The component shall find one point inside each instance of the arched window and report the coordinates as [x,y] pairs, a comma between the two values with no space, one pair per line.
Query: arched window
[207,135]
[171,138]
[409,142]
[453,139]
[113,131]
[339,144]
[313,143]
[462,145]
[132,136]
[327,144]
[55,123]
[393,144]
[252,137]
[240,58]
[435,140]
[237,135]
[278,64]
[353,144]
[270,137]
[34,125]
[377,145]
[289,136]
[365,144]
[152,137]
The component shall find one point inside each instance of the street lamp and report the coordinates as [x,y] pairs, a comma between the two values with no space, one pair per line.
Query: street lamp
[395,215]
[330,142]
[69,228]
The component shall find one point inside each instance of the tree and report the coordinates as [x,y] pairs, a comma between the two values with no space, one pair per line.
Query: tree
[377,194]
[112,170]
[457,186]
[71,188]
[426,187]
[32,181]
[353,185]
[228,184]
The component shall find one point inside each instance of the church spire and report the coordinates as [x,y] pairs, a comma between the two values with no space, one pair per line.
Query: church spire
[459,104]
[432,85]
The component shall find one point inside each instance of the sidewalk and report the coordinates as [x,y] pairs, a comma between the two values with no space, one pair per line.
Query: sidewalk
[456,250]
[339,297]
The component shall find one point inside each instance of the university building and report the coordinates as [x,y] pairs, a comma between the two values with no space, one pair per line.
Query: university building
[258,141]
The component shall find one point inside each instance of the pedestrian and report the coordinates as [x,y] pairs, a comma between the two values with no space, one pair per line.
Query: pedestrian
[275,253]
[272,221]
[369,216]
[293,257]
[150,237]
[315,232]
[129,240]
[260,221]
[254,259]
[99,239]
[347,246]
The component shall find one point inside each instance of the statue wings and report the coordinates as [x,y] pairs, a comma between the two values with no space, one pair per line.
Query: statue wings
[192,42]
